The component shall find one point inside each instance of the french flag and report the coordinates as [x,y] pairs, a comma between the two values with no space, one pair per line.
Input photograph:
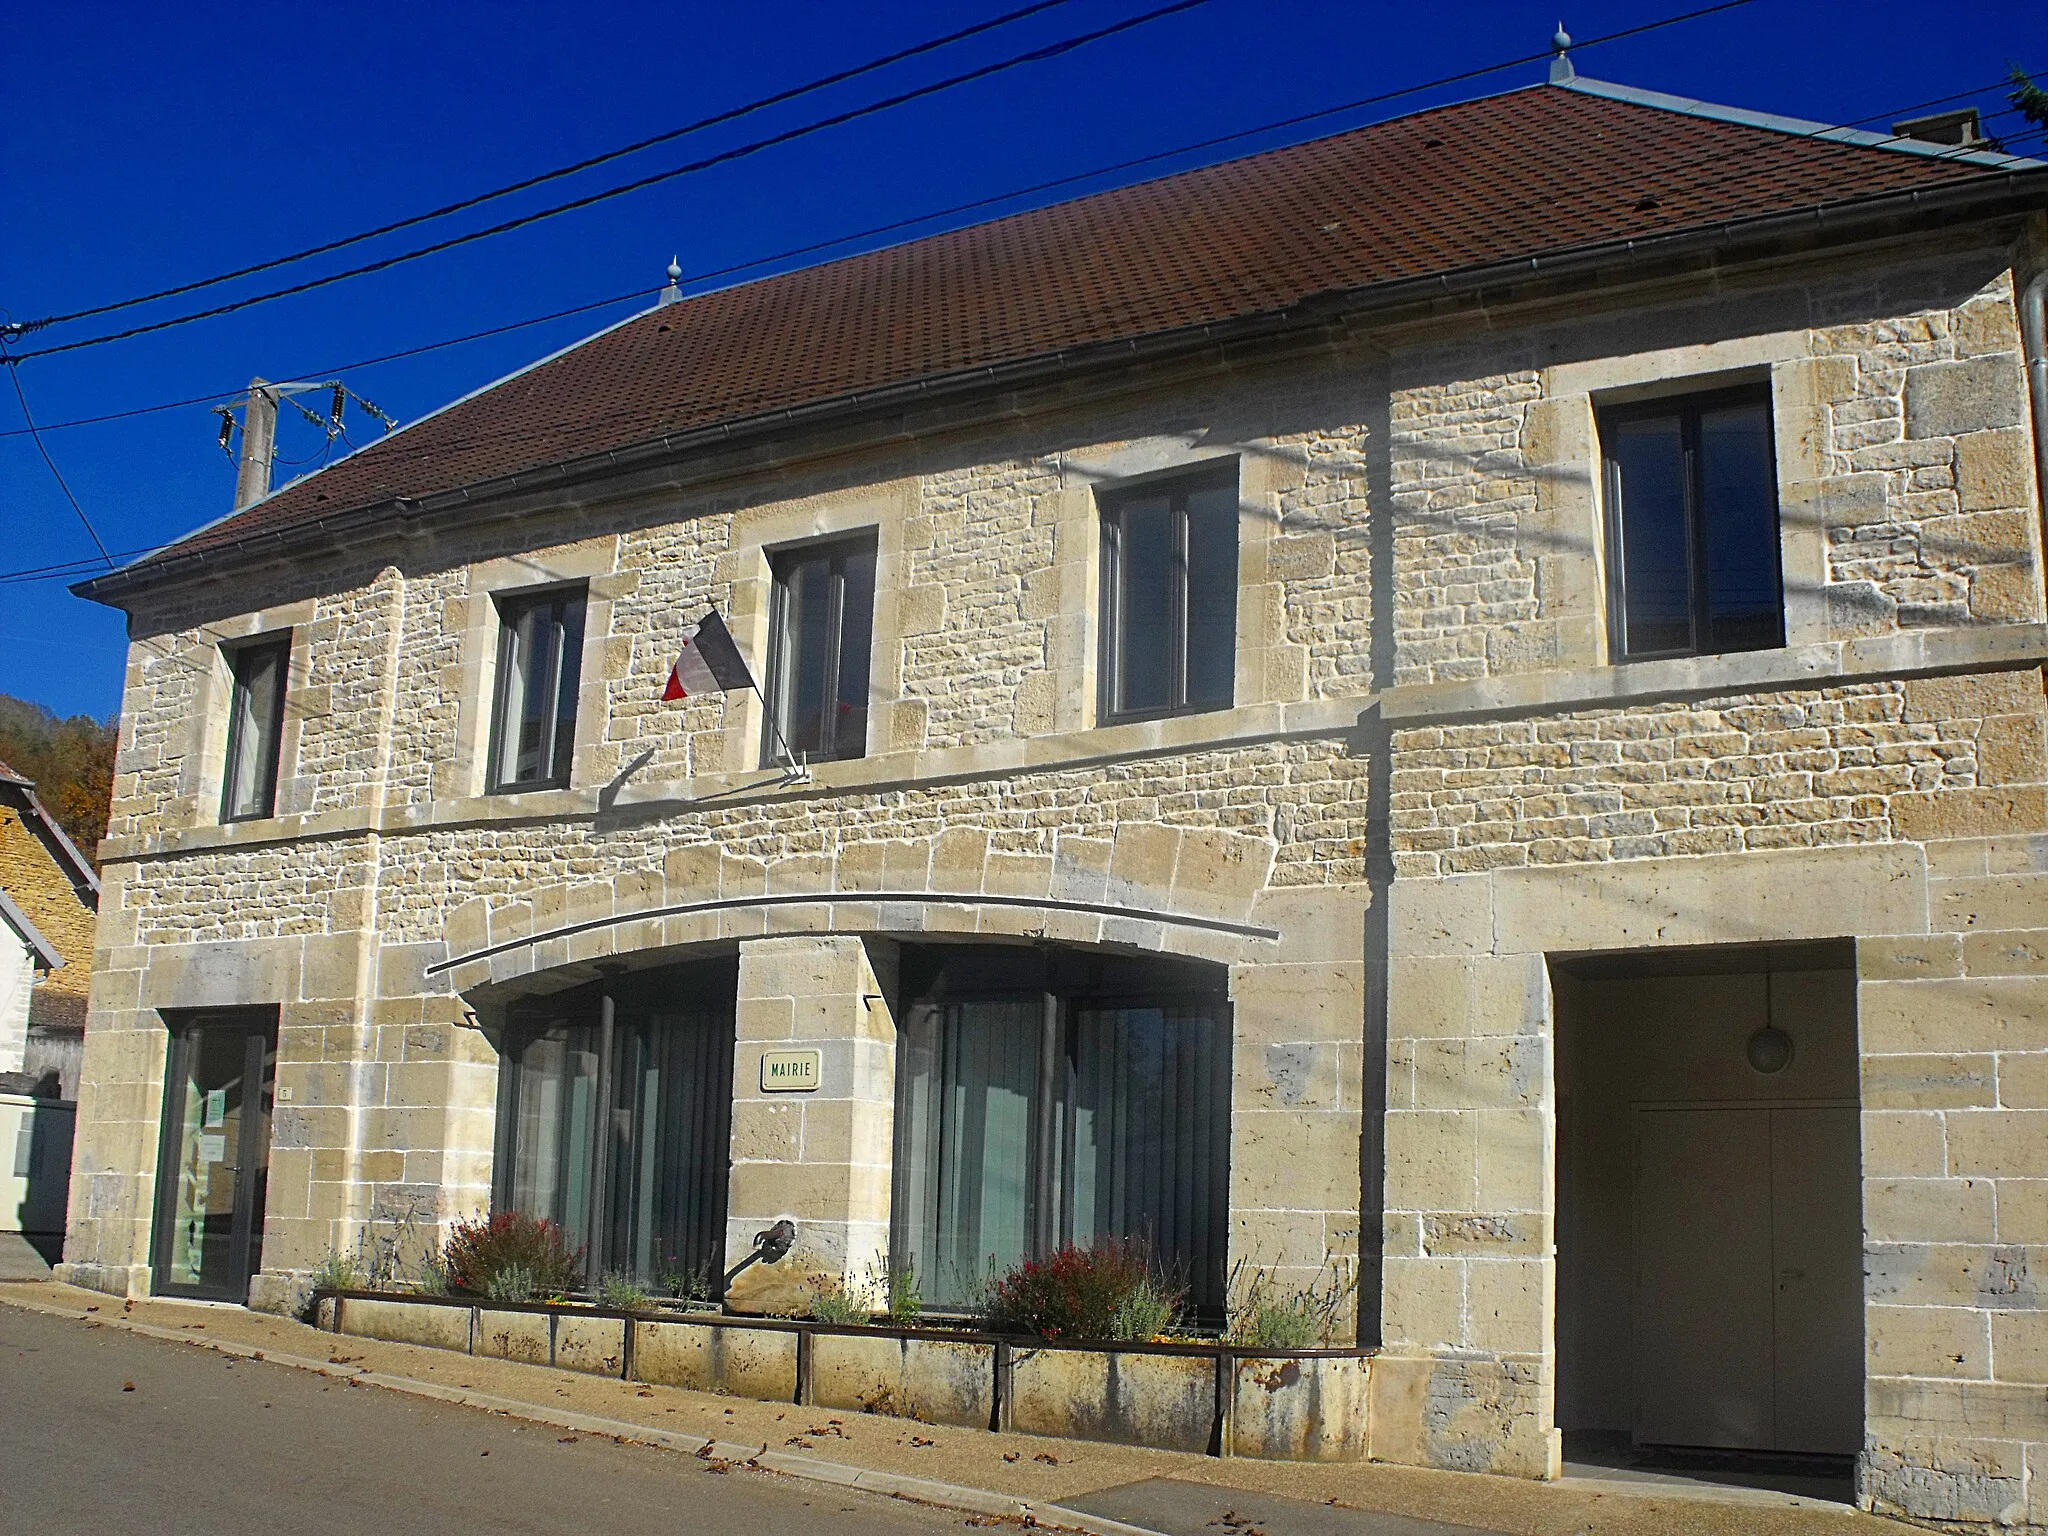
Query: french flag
[710,662]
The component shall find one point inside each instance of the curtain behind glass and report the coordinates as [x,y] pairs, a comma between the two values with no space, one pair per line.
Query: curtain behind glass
[670,1125]
[554,1103]
[1146,1122]
[972,1080]
[252,731]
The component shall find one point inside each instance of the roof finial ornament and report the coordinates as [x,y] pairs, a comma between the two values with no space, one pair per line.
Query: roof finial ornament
[673,293]
[1561,71]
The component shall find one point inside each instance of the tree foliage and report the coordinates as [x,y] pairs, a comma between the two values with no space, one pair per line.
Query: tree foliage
[2029,98]
[71,761]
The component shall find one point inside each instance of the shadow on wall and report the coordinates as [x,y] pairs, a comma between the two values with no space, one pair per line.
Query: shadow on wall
[35,1161]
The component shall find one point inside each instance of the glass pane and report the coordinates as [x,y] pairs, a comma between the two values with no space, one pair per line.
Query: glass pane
[566,613]
[1149,1137]
[1212,595]
[1146,573]
[665,1184]
[1648,482]
[856,635]
[1739,507]
[553,1120]
[802,686]
[972,1071]
[252,771]
[220,1147]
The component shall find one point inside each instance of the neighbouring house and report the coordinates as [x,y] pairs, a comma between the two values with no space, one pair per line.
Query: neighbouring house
[48,897]
[1459,704]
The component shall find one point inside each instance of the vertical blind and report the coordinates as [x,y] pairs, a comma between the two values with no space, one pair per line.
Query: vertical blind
[1091,1106]
[617,1129]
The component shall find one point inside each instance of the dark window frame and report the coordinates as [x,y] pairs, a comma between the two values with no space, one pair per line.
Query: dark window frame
[835,551]
[1688,408]
[239,659]
[558,755]
[1111,504]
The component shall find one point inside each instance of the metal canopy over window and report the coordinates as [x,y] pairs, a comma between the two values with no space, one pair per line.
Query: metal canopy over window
[614,1114]
[255,728]
[1692,525]
[1169,596]
[540,661]
[822,628]
[1048,1097]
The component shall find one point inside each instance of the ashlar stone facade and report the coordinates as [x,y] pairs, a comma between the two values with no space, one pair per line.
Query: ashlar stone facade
[1433,792]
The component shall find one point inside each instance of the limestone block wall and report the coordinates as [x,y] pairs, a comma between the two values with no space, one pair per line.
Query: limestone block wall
[1903,450]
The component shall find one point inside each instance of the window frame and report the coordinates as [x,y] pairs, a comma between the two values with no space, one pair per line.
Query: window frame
[1111,502]
[510,606]
[835,550]
[239,657]
[1688,407]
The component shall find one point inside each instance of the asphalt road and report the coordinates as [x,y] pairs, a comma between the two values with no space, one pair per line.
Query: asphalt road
[203,1444]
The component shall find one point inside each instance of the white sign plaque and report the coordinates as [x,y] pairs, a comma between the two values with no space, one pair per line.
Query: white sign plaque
[791,1071]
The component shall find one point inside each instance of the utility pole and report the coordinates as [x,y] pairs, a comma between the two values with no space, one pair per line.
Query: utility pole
[259,444]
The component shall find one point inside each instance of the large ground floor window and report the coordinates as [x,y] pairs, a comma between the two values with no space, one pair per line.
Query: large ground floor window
[614,1113]
[1048,1097]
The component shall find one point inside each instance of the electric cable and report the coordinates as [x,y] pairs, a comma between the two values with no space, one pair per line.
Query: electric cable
[64,485]
[731,114]
[957,208]
[839,119]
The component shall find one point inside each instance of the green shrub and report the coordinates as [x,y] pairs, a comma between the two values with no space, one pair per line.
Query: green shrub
[338,1272]
[688,1283]
[486,1256]
[902,1296]
[834,1302]
[1263,1316]
[622,1292]
[514,1282]
[1109,1291]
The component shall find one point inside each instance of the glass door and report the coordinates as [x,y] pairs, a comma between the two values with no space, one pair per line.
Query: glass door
[214,1164]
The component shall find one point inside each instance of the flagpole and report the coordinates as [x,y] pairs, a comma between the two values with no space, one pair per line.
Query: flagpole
[801,770]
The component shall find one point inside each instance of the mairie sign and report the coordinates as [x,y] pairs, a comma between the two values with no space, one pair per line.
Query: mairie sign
[790,1071]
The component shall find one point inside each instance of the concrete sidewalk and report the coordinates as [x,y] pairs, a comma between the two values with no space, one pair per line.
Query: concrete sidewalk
[1114,1490]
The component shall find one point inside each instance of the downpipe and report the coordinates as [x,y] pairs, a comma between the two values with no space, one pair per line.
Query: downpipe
[2034,339]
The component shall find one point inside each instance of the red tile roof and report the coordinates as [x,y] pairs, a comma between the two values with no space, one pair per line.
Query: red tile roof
[1537,171]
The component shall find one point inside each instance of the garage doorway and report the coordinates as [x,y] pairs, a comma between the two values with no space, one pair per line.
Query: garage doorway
[1710,1253]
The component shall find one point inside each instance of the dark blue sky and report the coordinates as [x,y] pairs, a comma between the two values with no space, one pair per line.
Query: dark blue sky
[150,144]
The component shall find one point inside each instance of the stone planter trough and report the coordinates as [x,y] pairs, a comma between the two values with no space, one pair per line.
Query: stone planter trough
[1295,1405]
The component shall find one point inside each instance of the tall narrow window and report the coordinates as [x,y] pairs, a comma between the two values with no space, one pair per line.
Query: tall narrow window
[822,627]
[1693,526]
[614,1114]
[540,659]
[1169,597]
[1047,1099]
[255,727]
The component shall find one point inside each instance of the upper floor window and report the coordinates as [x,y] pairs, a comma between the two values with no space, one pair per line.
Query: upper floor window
[1692,526]
[540,659]
[821,628]
[1169,596]
[255,727]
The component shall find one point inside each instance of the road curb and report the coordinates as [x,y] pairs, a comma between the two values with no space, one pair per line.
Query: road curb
[917,1490]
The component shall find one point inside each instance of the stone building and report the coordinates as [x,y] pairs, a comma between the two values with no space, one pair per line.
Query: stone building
[53,894]
[1459,704]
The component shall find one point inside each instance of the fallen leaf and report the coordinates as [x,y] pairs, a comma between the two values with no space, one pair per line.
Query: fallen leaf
[1009,1455]
[566,1440]
[1048,1458]
[127,1386]
[919,1440]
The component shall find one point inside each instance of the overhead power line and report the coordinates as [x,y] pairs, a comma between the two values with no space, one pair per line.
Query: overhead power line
[62,484]
[717,119]
[1054,50]
[972,206]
